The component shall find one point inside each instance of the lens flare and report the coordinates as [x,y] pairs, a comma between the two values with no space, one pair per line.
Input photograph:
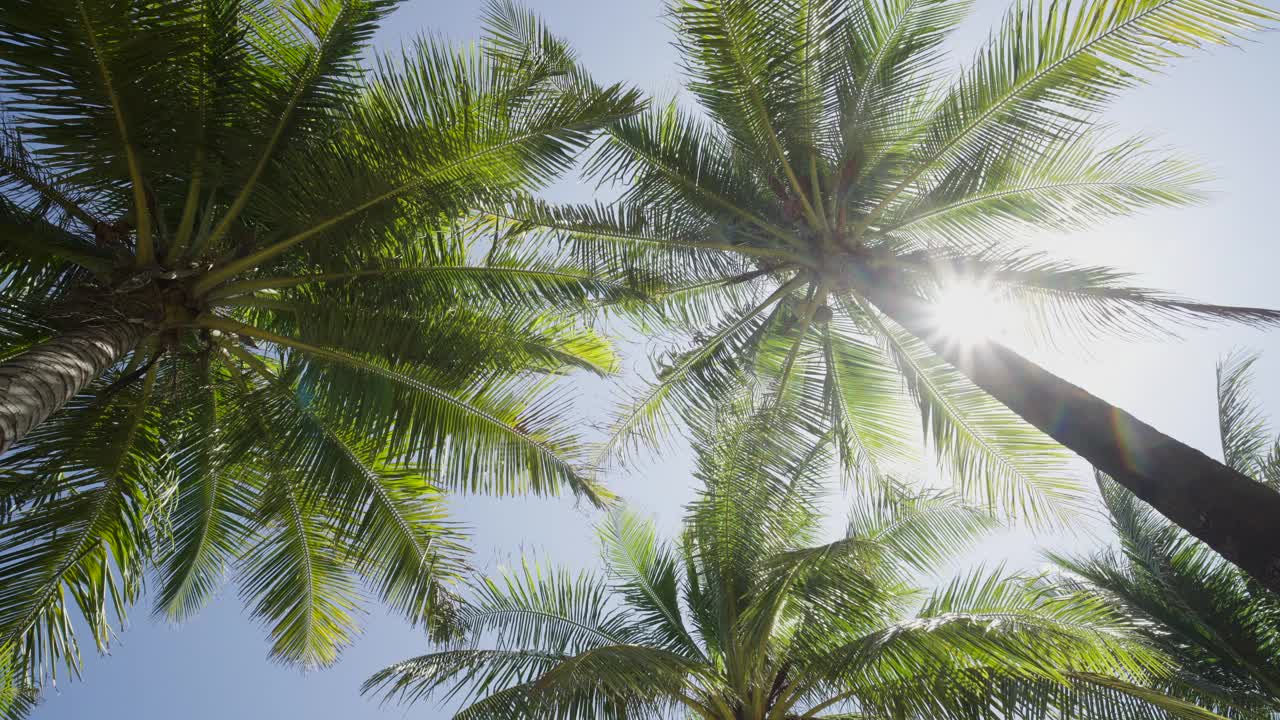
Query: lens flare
[969,312]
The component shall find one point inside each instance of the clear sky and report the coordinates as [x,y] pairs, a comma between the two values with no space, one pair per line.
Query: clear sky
[1222,108]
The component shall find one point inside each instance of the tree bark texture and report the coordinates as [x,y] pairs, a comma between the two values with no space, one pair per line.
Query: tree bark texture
[37,383]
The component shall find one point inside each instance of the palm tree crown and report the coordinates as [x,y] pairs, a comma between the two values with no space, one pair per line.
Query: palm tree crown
[832,184]
[240,323]
[750,616]
[1221,626]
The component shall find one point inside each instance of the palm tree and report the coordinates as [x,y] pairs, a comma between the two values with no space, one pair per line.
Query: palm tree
[1221,626]
[813,211]
[241,326]
[751,617]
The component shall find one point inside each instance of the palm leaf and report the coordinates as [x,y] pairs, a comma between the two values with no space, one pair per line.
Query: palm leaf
[646,574]
[1243,429]
[1051,66]
[86,544]
[293,582]
[1020,469]
[208,525]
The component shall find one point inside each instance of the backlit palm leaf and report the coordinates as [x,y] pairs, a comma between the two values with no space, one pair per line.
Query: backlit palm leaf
[755,616]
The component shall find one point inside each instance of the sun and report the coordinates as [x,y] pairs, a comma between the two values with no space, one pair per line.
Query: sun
[970,311]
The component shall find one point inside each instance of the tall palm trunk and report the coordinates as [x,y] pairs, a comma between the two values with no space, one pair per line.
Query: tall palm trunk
[1230,512]
[35,384]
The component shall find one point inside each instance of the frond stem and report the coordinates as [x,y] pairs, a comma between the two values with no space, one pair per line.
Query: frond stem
[145,250]
[816,298]
[187,224]
[304,79]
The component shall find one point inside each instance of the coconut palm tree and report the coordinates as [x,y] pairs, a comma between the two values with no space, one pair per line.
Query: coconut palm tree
[751,616]
[834,185]
[241,326]
[1222,627]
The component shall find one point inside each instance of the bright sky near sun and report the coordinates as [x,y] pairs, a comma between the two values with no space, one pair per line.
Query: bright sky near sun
[1221,108]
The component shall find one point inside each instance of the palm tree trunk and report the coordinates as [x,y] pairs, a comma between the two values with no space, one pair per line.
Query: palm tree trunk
[35,384]
[1233,514]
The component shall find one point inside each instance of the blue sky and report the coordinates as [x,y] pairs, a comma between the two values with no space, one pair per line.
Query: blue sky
[1220,108]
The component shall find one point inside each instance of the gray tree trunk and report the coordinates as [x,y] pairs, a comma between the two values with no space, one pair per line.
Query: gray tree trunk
[35,384]
[1233,514]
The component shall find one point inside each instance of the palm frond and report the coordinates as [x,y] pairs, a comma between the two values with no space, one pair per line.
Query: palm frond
[466,674]
[293,582]
[451,341]
[511,444]
[546,610]
[647,577]
[1051,66]
[1241,425]
[892,53]
[762,471]
[922,530]
[449,128]
[871,411]
[1025,628]
[1069,184]
[208,526]
[670,159]
[313,50]
[694,380]
[748,69]
[995,456]
[24,178]
[17,698]
[1061,298]
[83,547]
[385,521]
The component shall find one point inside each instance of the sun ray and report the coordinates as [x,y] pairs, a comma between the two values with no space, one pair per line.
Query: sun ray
[970,311]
